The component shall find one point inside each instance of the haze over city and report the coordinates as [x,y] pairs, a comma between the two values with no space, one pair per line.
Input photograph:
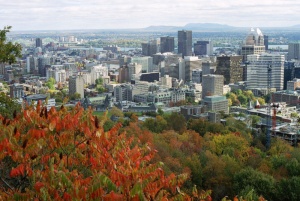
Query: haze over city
[119,14]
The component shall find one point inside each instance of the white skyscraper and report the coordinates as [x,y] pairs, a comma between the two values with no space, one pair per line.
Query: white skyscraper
[257,70]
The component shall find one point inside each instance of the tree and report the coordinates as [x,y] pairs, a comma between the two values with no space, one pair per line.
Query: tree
[8,51]
[50,83]
[262,184]
[66,155]
[8,106]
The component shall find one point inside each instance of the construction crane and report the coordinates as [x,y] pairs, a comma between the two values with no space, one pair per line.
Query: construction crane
[268,134]
[272,105]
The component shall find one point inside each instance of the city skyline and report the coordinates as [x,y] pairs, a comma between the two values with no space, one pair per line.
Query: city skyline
[119,14]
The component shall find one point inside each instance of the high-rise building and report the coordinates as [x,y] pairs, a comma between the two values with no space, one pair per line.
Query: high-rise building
[289,72]
[149,48]
[31,63]
[294,51]
[146,62]
[185,43]
[203,48]
[230,68]
[43,61]
[76,85]
[38,42]
[123,92]
[254,43]
[166,44]
[266,42]
[212,85]
[191,63]
[257,70]
[216,103]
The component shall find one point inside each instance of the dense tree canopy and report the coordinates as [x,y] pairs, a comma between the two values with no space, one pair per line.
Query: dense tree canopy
[8,50]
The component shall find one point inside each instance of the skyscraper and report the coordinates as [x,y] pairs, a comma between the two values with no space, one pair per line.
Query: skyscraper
[149,48]
[185,43]
[294,51]
[253,44]
[38,42]
[266,42]
[76,85]
[212,85]
[191,63]
[230,68]
[203,48]
[166,44]
[257,70]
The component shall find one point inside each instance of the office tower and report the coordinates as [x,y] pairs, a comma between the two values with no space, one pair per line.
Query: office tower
[203,48]
[31,63]
[185,43]
[197,75]
[253,44]
[257,71]
[289,72]
[212,85]
[166,44]
[38,42]
[124,74]
[42,63]
[149,48]
[145,62]
[266,42]
[230,67]
[216,103]
[294,51]
[76,85]
[134,68]
[124,60]
[123,92]
[191,63]
[208,68]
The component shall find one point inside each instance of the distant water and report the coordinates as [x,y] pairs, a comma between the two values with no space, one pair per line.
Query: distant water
[281,47]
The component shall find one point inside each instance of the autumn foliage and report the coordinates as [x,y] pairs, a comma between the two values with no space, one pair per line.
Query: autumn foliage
[66,155]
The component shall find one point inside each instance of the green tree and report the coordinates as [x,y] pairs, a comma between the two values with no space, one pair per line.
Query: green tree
[75,96]
[243,99]
[50,83]
[8,106]
[262,184]
[8,51]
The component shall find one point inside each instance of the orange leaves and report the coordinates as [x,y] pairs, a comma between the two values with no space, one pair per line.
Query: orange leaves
[18,171]
[112,196]
[37,133]
[65,150]
[38,186]
[67,196]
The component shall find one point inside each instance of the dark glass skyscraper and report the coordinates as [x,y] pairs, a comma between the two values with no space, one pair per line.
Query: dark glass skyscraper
[166,44]
[185,43]
[38,42]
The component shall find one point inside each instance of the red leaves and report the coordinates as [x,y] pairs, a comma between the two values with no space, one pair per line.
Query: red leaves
[112,196]
[38,185]
[18,171]
[67,196]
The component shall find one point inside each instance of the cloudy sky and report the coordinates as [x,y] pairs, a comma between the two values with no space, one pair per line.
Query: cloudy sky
[111,14]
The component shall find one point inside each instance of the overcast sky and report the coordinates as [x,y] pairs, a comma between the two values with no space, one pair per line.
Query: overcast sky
[112,14]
